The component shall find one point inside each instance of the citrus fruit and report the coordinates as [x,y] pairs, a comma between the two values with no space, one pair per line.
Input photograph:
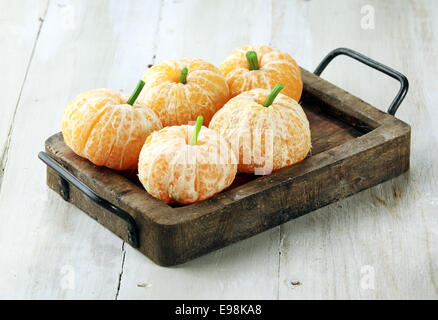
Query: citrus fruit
[176,167]
[252,67]
[268,130]
[100,126]
[180,90]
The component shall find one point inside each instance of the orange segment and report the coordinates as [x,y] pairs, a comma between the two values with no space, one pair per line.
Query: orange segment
[100,126]
[275,67]
[173,171]
[175,103]
[266,139]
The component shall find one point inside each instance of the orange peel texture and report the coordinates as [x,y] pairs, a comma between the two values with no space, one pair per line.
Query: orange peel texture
[275,67]
[98,125]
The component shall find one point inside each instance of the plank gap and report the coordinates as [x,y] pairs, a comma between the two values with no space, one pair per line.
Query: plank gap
[121,270]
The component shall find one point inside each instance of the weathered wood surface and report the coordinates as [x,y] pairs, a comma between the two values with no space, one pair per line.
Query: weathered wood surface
[49,248]
[19,31]
[387,232]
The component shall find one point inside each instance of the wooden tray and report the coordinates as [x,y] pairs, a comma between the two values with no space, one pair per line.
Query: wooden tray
[354,146]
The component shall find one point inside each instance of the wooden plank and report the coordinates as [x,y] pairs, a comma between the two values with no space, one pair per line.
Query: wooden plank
[209,30]
[381,242]
[20,22]
[50,249]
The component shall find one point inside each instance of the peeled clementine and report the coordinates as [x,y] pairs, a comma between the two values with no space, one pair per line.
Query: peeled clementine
[173,169]
[252,67]
[180,90]
[99,125]
[266,138]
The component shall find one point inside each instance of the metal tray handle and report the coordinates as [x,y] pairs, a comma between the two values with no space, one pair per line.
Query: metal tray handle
[66,176]
[404,84]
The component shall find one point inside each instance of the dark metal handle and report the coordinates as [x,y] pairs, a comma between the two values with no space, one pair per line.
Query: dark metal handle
[404,84]
[133,237]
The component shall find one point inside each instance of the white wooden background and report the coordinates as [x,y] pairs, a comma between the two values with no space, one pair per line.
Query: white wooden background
[380,243]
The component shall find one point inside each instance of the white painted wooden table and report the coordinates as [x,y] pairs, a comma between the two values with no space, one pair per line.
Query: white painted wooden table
[380,243]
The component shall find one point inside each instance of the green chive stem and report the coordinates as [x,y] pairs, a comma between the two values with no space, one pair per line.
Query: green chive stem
[253,62]
[183,76]
[198,125]
[136,92]
[271,97]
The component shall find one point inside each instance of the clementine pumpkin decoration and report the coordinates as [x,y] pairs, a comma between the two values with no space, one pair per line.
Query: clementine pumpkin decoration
[185,164]
[107,129]
[269,131]
[180,90]
[254,67]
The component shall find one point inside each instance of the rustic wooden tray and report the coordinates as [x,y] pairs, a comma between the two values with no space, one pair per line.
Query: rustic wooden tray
[354,146]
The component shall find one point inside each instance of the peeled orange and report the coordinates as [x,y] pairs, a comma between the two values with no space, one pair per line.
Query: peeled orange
[265,138]
[174,169]
[99,125]
[252,67]
[180,90]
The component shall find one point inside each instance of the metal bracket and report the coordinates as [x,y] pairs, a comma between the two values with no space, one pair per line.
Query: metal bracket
[404,84]
[64,188]
[66,177]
